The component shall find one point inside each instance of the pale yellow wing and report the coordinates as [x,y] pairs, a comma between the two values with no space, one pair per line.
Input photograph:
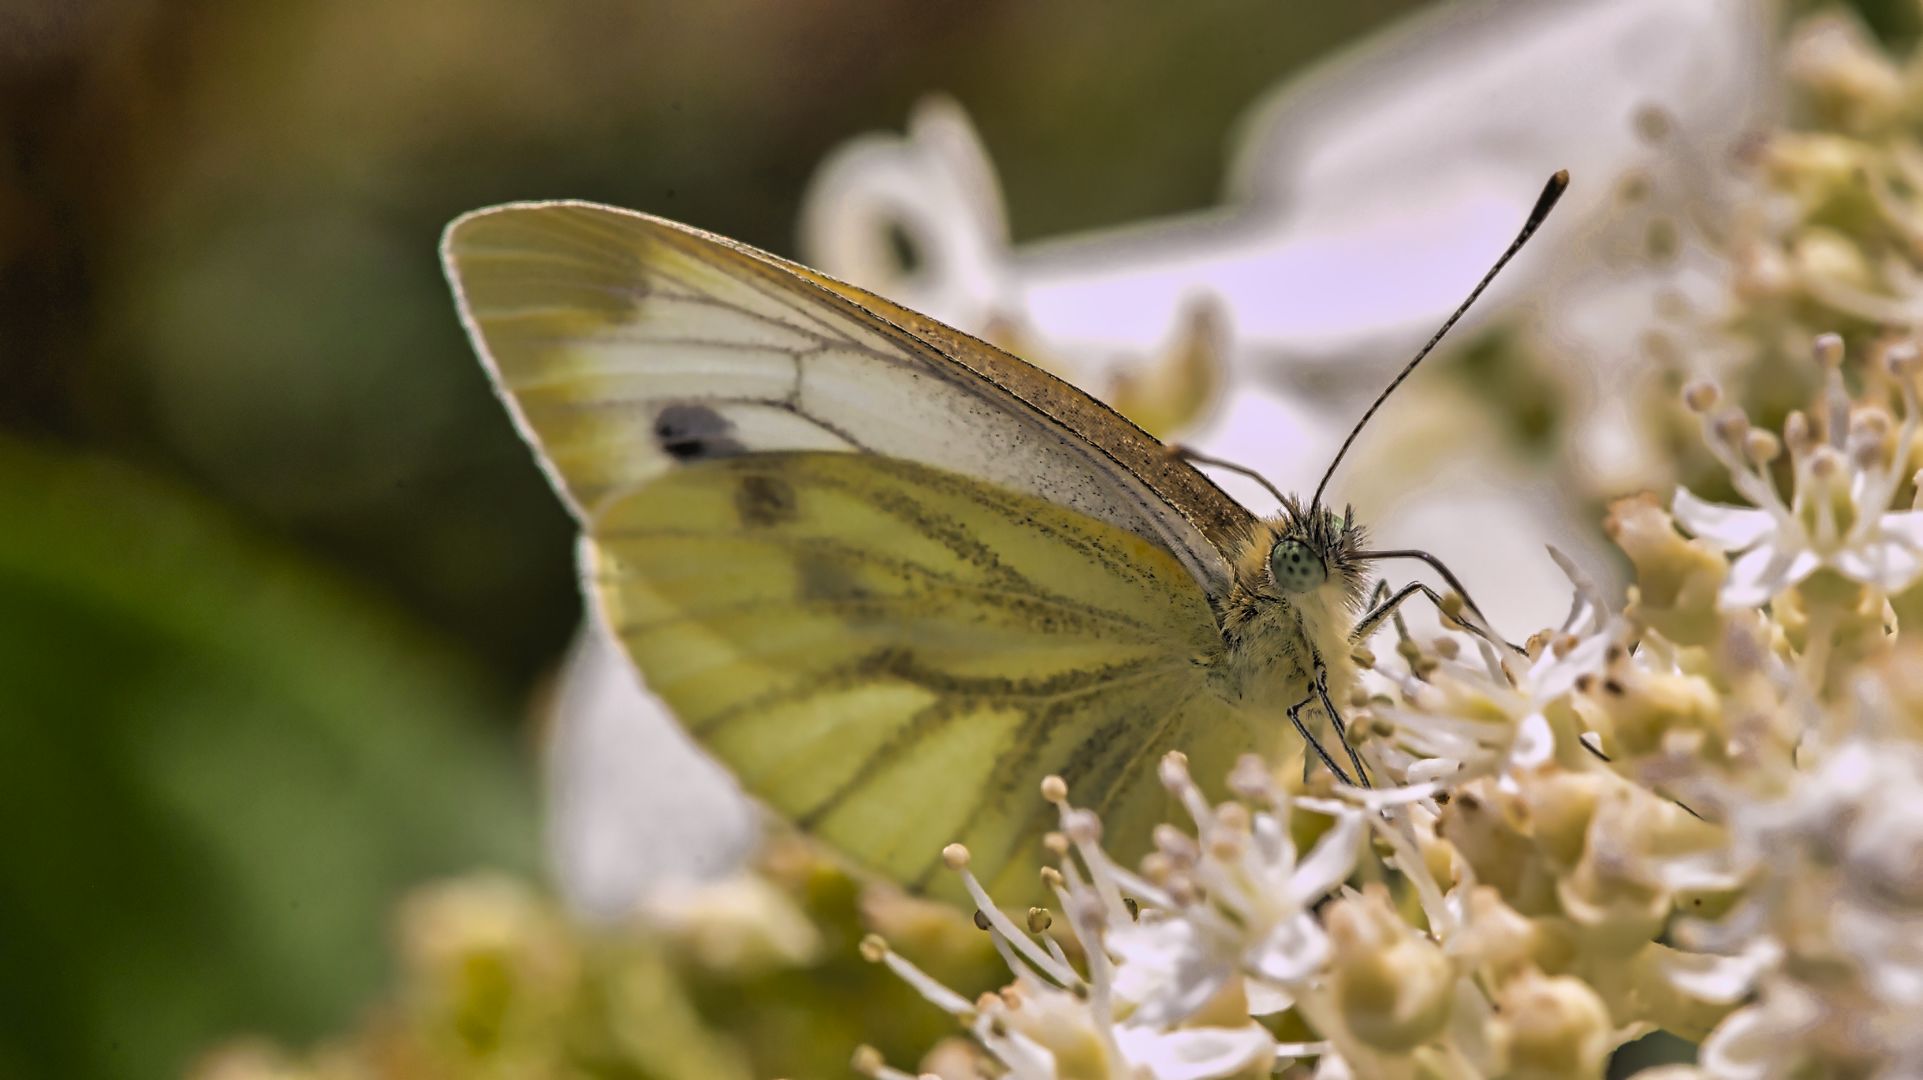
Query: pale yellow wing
[626,344]
[894,655]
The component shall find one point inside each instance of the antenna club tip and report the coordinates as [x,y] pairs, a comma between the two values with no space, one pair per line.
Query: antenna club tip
[1545,202]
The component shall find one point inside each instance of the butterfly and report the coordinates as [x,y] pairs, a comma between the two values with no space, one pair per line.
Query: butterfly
[887,573]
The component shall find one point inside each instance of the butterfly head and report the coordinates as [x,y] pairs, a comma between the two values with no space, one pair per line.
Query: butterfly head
[1313,547]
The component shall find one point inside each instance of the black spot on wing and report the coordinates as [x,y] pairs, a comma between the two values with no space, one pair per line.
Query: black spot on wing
[764,501]
[688,432]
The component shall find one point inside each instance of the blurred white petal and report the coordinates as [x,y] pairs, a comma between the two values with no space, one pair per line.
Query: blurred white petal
[937,188]
[633,805]
[1721,979]
[1195,1053]
[1366,197]
[1721,525]
[1764,571]
[1166,968]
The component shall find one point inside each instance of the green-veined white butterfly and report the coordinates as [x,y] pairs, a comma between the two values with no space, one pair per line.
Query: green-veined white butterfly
[889,574]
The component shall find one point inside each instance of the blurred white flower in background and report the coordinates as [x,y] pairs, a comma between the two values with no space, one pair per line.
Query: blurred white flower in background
[1365,198]
[634,807]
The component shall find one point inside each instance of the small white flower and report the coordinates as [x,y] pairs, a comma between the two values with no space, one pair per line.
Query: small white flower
[1839,515]
[1055,1013]
[1255,917]
[1777,551]
[1166,966]
[1478,714]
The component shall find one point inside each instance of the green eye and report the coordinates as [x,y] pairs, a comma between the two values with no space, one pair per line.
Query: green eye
[1296,568]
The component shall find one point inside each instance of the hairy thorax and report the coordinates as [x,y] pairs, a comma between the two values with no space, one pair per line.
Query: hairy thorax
[1274,638]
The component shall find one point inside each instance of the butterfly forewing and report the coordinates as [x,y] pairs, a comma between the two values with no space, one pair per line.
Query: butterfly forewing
[894,656]
[627,344]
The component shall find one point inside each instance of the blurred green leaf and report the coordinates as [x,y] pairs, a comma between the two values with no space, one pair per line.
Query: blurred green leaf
[218,767]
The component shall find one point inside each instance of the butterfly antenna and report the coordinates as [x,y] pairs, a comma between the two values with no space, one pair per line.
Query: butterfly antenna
[1188,454]
[1544,203]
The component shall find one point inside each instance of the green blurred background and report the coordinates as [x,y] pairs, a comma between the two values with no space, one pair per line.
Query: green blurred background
[278,583]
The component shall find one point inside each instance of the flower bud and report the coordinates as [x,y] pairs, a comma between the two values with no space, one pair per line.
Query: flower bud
[1550,1028]
[1677,580]
[1393,986]
[1561,805]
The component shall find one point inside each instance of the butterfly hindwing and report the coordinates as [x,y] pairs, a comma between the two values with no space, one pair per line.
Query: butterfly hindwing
[894,655]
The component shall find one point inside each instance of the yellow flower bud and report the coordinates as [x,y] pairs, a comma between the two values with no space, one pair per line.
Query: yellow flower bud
[1676,579]
[1561,804]
[1550,1028]
[1643,708]
[1495,937]
[1485,826]
[1393,986]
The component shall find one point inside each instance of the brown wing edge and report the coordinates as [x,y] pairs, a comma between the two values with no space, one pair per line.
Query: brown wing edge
[1223,521]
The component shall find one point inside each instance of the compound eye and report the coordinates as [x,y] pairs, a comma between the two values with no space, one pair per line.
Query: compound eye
[1296,568]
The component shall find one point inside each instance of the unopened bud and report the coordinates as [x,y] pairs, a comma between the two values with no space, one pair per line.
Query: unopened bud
[1174,771]
[1828,350]
[868,1061]
[1901,359]
[1731,427]
[1701,396]
[1797,435]
[1551,1026]
[1393,986]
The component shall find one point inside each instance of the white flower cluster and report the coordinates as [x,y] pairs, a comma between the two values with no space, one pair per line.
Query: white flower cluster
[1699,814]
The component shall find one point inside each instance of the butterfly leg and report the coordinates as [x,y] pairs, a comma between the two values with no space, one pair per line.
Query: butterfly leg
[1381,609]
[1477,624]
[1341,732]
[1315,744]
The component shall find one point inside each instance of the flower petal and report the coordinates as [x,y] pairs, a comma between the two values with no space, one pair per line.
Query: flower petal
[1266,999]
[1535,743]
[1904,526]
[1166,968]
[1718,979]
[633,803]
[1760,1040]
[1553,676]
[1295,949]
[937,186]
[1888,559]
[1760,575]
[1720,525]
[1195,1053]
[1331,860]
